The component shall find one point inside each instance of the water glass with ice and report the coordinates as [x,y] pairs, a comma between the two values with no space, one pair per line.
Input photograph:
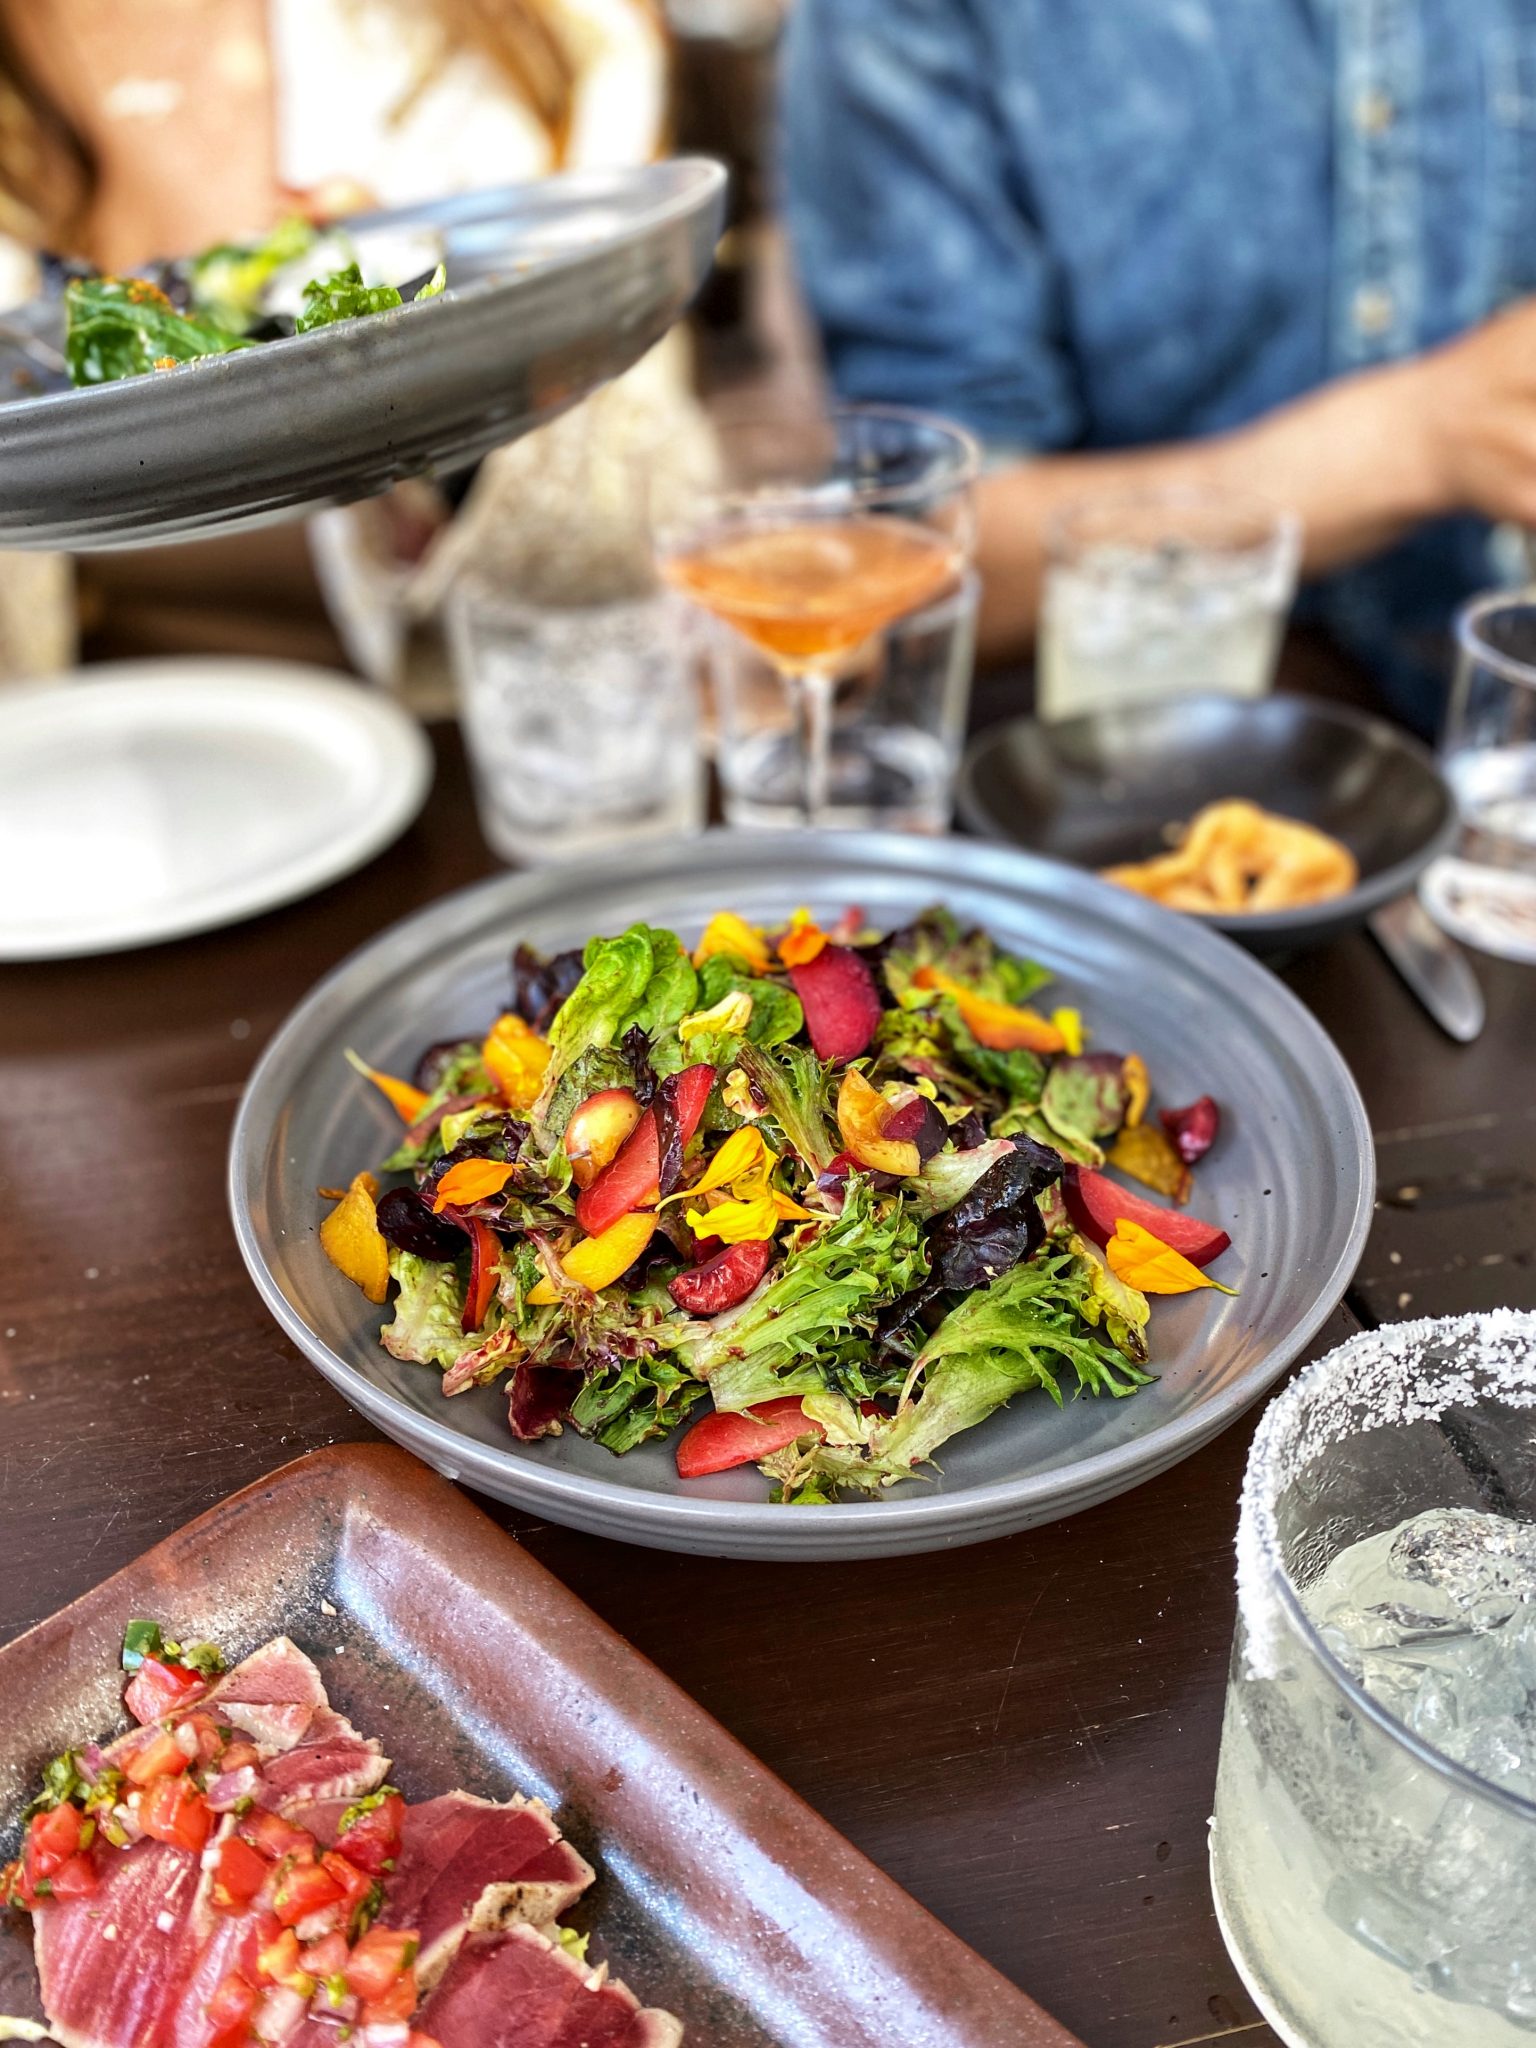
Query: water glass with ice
[897,712]
[1154,594]
[1485,891]
[1373,1852]
[581,720]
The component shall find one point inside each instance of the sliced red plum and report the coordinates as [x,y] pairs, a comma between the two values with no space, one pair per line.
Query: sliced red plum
[840,1000]
[517,1989]
[111,1967]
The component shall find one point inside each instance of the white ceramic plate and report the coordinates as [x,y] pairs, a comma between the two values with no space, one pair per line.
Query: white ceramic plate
[159,798]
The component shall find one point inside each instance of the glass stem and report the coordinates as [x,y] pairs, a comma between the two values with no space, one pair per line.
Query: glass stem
[814,690]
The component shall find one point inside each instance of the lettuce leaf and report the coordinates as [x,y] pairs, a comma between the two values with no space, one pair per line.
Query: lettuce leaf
[833,1283]
[1019,1334]
[950,1175]
[1085,1096]
[793,1083]
[623,1404]
[228,281]
[776,1013]
[429,1308]
[936,939]
[642,977]
[344,296]
[671,989]
[122,327]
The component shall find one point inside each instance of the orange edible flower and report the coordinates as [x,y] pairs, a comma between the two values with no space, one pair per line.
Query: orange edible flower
[472,1180]
[516,1058]
[728,933]
[1000,1027]
[351,1239]
[1145,1262]
[599,1261]
[803,941]
[407,1101]
[1138,1088]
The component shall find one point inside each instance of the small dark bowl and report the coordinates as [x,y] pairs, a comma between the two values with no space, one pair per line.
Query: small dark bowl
[1104,788]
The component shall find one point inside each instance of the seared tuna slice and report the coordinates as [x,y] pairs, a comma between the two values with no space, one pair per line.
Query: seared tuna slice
[271,1696]
[467,1864]
[111,1967]
[518,1990]
[332,1762]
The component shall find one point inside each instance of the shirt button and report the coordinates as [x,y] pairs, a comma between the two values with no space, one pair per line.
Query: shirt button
[1374,309]
[1374,113]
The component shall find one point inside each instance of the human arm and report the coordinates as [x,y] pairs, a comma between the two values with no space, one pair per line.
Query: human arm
[1359,461]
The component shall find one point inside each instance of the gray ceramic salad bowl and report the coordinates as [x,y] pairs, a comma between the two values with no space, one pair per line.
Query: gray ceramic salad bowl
[1291,1179]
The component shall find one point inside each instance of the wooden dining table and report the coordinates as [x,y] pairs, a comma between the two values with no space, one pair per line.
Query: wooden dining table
[1023,1734]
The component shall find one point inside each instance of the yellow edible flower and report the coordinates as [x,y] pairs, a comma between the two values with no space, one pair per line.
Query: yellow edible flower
[1145,1262]
[731,1015]
[515,1057]
[728,933]
[1138,1088]
[750,1206]
[736,1094]
[1070,1024]
[351,1239]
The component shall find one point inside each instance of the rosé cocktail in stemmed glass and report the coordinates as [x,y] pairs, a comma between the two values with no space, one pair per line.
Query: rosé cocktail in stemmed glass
[818,530]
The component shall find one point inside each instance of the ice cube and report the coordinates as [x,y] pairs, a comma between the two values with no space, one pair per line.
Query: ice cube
[1482,1564]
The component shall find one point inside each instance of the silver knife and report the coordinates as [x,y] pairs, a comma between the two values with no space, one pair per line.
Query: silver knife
[1433,966]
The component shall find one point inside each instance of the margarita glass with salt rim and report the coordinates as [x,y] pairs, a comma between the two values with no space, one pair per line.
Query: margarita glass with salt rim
[1373,1851]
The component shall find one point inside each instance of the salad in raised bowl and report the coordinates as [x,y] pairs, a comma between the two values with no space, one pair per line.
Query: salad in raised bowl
[843,1191]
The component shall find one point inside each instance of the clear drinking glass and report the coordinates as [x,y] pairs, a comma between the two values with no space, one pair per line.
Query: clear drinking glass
[1161,594]
[818,530]
[895,724]
[582,721]
[1373,1852]
[1485,892]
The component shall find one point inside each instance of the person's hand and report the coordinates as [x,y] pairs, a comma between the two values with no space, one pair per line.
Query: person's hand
[1476,401]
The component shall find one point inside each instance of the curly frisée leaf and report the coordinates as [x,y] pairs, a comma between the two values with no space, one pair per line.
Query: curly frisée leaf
[1018,1334]
[793,1083]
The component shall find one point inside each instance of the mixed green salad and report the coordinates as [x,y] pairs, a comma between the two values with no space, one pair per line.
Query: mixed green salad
[230,297]
[827,1197]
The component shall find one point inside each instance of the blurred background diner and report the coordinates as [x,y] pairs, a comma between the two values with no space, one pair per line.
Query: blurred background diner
[1234,304]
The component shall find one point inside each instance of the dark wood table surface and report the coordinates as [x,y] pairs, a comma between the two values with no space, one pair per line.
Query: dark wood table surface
[1022,1734]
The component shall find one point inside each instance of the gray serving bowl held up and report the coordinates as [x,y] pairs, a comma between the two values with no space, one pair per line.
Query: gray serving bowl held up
[1104,788]
[553,288]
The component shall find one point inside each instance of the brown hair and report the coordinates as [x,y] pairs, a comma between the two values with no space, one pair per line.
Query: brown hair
[518,39]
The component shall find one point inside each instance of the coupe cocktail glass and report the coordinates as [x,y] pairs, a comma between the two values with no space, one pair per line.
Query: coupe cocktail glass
[820,529]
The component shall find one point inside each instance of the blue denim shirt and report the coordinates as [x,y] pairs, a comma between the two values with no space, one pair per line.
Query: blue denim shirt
[1103,223]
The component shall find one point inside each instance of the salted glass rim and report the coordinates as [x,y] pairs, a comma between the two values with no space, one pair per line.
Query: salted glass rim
[958,471]
[1469,640]
[1259,1551]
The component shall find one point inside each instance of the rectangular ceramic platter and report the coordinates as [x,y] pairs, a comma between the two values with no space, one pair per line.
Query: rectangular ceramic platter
[720,1895]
